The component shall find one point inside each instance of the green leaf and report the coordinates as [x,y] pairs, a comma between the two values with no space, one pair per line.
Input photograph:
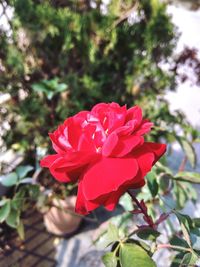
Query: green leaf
[39,87]
[20,230]
[191,191]
[109,237]
[176,261]
[22,171]
[196,222]
[27,180]
[34,191]
[132,255]
[50,95]
[126,202]
[191,177]
[4,211]
[140,243]
[186,234]
[195,242]
[17,203]
[189,259]
[152,183]
[185,219]
[186,223]
[9,179]
[61,87]
[177,241]
[164,181]
[148,233]
[109,259]
[162,168]
[168,201]
[3,202]
[49,87]
[180,196]
[122,220]
[188,149]
[195,239]
[13,218]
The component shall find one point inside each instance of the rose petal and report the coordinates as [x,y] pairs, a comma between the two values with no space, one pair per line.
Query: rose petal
[126,144]
[145,160]
[134,113]
[113,199]
[156,148]
[60,175]
[48,160]
[109,144]
[83,206]
[107,175]
[144,128]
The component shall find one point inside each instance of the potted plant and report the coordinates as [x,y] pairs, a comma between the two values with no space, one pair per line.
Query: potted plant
[22,191]
[57,204]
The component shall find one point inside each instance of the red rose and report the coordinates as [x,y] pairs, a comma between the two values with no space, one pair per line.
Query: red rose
[104,150]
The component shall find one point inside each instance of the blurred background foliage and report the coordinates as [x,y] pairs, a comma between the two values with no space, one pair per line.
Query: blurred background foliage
[61,57]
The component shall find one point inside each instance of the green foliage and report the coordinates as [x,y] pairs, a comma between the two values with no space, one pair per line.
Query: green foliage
[142,242]
[17,177]
[148,233]
[108,237]
[109,259]
[126,202]
[133,255]
[65,58]
[24,193]
[49,88]
[191,177]
[60,58]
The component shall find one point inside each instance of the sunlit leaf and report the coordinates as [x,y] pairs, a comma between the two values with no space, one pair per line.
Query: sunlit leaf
[109,237]
[22,171]
[13,218]
[9,179]
[189,259]
[4,211]
[186,223]
[191,177]
[110,260]
[132,255]
[126,202]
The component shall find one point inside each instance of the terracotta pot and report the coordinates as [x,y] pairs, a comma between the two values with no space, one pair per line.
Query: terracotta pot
[62,221]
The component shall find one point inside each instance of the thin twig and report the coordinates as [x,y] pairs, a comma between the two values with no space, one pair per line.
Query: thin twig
[182,165]
[161,246]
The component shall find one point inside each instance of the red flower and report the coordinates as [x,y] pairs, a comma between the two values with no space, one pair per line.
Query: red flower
[104,150]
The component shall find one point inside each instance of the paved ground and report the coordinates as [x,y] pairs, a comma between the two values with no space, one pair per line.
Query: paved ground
[79,251]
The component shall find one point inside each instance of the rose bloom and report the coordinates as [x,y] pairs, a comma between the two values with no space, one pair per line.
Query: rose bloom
[105,152]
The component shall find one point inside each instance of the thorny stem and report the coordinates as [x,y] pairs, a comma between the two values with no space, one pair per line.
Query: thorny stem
[141,208]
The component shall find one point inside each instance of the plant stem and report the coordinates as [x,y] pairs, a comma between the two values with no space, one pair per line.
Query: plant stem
[160,246]
[137,202]
[148,218]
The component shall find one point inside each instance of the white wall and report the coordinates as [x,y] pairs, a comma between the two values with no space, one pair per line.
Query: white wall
[187,97]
